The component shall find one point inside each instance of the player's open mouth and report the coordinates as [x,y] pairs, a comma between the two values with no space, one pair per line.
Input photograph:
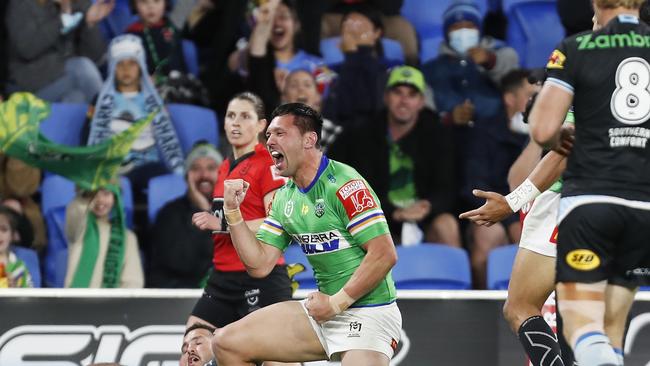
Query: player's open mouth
[278,158]
[194,360]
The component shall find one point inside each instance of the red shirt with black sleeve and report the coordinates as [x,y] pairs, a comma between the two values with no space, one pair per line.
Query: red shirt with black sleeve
[256,168]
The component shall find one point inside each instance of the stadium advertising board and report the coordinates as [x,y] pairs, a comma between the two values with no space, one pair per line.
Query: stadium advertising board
[145,328]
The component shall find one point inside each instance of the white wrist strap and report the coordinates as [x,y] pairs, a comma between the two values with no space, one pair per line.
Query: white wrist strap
[523,194]
[340,301]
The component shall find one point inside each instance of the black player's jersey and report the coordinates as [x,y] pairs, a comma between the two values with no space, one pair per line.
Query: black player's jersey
[609,74]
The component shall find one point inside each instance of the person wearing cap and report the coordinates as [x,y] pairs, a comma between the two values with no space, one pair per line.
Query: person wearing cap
[407,156]
[181,253]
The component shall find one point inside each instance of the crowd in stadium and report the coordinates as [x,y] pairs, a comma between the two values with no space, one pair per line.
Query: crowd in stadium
[426,111]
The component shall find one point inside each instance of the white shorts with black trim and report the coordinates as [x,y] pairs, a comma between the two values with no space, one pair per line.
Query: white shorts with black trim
[375,328]
[539,229]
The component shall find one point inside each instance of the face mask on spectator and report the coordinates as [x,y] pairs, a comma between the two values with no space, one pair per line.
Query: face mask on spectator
[463,39]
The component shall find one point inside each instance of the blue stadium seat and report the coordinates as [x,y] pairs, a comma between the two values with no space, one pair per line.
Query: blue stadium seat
[332,55]
[305,279]
[429,48]
[193,124]
[534,31]
[191,57]
[499,266]
[163,189]
[58,191]
[55,191]
[64,123]
[118,20]
[507,5]
[426,15]
[432,266]
[56,242]
[30,258]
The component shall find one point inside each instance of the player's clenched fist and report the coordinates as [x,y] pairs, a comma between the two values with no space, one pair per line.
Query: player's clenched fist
[319,307]
[234,191]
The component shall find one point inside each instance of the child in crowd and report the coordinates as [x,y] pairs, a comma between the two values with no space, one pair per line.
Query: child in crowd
[102,252]
[127,96]
[161,39]
[13,272]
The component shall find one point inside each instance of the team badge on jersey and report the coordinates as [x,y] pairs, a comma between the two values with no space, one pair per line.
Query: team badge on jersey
[288,208]
[556,61]
[356,197]
[319,208]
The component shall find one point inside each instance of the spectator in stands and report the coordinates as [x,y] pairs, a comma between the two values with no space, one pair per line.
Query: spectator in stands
[322,19]
[492,149]
[272,51]
[215,26]
[20,182]
[359,87]
[301,86]
[102,252]
[54,46]
[181,252]
[13,272]
[406,155]
[129,95]
[25,232]
[161,39]
[196,349]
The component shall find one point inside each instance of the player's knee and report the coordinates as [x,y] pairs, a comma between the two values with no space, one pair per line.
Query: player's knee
[223,343]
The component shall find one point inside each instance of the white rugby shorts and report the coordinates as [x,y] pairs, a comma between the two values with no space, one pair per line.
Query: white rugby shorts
[375,328]
[539,229]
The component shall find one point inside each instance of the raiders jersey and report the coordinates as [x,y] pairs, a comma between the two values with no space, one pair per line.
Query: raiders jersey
[608,73]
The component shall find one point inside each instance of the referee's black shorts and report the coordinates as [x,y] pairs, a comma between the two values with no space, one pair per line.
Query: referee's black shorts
[604,241]
[229,296]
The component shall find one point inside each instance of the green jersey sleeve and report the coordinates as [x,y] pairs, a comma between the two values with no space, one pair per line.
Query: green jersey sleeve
[360,211]
[271,231]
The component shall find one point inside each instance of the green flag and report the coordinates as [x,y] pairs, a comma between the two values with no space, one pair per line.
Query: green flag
[90,167]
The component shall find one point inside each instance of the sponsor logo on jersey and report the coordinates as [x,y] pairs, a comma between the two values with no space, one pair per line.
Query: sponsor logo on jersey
[304,210]
[582,259]
[319,208]
[607,41]
[288,208]
[315,243]
[84,344]
[356,197]
[556,61]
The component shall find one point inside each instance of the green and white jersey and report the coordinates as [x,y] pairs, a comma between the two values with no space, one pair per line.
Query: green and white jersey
[330,219]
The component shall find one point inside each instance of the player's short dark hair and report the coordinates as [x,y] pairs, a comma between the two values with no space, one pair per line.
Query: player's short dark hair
[306,118]
[514,80]
[199,325]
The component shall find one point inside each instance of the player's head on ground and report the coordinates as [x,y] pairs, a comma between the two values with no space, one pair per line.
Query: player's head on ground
[244,122]
[196,349]
[293,136]
[605,10]
[404,95]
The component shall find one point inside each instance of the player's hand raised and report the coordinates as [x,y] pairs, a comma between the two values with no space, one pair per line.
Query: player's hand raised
[495,209]
[319,307]
[234,191]
[566,140]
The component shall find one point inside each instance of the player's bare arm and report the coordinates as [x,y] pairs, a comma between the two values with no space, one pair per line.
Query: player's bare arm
[548,114]
[380,258]
[258,257]
[497,207]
